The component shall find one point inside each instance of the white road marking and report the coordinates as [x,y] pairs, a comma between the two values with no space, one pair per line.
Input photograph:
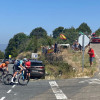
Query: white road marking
[15,94]
[9,91]
[2,98]
[81,81]
[53,83]
[13,86]
[57,91]
[91,81]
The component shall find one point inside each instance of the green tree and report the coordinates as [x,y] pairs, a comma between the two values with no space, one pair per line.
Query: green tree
[1,55]
[39,32]
[97,32]
[84,28]
[14,47]
[70,34]
[57,32]
[19,38]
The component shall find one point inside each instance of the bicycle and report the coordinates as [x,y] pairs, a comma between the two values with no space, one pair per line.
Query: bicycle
[23,78]
[5,77]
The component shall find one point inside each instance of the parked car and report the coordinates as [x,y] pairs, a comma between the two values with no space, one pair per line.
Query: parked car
[37,69]
[95,40]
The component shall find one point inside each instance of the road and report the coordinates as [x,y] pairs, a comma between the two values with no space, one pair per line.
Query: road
[65,89]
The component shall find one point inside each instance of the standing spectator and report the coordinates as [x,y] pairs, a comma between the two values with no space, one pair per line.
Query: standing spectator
[73,47]
[80,47]
[43,50]
[76,44]
[55,48]
[91,55]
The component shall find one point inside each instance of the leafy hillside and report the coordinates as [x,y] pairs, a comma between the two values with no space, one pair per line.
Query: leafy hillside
[38,37]
[68,64]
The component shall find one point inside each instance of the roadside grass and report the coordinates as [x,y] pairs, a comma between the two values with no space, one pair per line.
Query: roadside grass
[77,60]
[71,66]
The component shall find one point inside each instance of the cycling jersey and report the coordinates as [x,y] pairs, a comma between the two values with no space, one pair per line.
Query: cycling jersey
[21,62]
[3,65]
[28,64]
[17,65]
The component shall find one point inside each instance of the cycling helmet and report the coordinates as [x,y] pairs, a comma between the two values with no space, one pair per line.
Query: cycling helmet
[7,62]
[25,59]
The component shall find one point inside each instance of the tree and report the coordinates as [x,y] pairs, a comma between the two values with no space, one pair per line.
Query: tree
[70,34]
[39,32]
[1,55]
[9,48]
[57,32]
[13,47]
[97,32]
[84,28]
[19,38]
[49,40]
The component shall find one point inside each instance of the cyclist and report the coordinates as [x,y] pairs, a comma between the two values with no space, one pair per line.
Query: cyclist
[18,68]
[27,65]
[4,66]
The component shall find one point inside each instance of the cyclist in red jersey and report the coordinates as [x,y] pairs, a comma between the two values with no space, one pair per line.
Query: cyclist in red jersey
[28,65]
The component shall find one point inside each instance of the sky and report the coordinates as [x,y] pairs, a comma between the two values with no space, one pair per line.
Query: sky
[25,15]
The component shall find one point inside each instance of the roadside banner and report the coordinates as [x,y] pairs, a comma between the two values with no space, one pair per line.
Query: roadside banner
[50,50]
[63,37]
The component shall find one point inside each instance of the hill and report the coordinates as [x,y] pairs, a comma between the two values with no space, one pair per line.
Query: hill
[71,66]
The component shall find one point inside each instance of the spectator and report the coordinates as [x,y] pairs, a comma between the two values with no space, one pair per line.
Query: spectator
[80,47]
[76,44]
[43,50]
[55,48]
[73,47]
[91,55]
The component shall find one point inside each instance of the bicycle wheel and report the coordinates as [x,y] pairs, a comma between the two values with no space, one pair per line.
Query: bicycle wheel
[22,80]
[7,79]
[1,74]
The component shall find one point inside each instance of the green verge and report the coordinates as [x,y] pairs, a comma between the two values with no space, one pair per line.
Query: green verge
[60,69]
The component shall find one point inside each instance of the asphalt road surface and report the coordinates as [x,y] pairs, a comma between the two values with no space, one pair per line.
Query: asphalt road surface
[66,89]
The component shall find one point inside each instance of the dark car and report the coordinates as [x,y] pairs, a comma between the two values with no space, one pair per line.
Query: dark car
[95,40]
[37,69]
